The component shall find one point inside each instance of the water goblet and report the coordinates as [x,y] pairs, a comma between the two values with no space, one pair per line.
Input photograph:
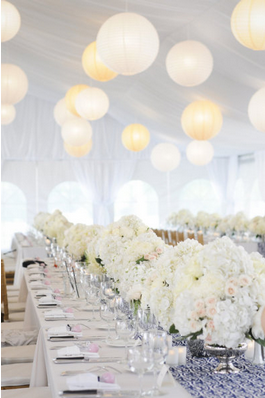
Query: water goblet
[107,314]
[140,361]
[125,329]
[93,298]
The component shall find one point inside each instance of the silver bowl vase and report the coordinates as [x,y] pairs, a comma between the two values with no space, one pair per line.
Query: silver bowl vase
[225,356]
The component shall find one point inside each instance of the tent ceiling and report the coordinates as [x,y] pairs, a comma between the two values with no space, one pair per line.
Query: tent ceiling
[54,34]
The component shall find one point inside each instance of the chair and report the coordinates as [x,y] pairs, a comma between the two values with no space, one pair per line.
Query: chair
[17,354]
[200,238]
[174,239]
[165,236]
[180,236]
[16,375]
[34,392]
[191,235]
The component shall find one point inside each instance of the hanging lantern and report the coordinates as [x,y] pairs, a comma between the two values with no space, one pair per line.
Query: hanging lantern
[10,21]
[78,151]
[127,43]
[71,95]
[165,157]
[94,67]
[202,120]
[14,84]
[248,23]
[61,113]
[200,152]
[92,103]
[256,110]
[76,131]
[189,63]
[8,113]
[135,137]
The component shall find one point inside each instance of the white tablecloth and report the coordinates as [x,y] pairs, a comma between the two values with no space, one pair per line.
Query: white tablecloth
[46,372]
[24,249]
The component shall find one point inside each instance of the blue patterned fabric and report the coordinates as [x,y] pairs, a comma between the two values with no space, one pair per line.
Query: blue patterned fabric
[198,379]
[261,248]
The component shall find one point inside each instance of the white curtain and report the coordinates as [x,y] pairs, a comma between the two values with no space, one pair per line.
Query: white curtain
[260,169]
[217,170]
[231,182]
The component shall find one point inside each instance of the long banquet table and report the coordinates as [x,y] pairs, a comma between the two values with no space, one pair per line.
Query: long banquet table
[46,372]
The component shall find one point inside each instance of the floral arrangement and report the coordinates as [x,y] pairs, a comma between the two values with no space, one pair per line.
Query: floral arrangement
[257,226]
[55,225]
[219,295]
[184,218]
[239,222]
[40,219]
[206,220]
[77,237]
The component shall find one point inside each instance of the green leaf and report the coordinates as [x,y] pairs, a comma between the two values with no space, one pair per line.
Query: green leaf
[99,261]
[173,330]
[140,260]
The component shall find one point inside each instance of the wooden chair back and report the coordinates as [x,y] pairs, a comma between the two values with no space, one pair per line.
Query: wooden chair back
[200,238]
[190,235]
[173,238]
[180,236]
[4,291]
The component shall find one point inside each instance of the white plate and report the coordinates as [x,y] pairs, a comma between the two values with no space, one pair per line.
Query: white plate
[103,326]
[120,343]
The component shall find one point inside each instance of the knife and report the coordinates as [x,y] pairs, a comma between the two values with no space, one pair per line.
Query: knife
[100,393]
[84,360]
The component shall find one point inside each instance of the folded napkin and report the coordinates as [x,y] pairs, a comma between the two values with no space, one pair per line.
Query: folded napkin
[64,331]
[49,300]
[86,381]
[36,271]
[75,351]
[58,314]
[36,285]
[43,293]
[33,266]
[36,277]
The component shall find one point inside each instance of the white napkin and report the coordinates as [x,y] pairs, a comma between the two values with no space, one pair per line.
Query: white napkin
[58,314]
[36,277]
[74,351]
[36,285]
[62,331]
[48,300]
[35,271]
[87,381]
[33,266]
[43,293]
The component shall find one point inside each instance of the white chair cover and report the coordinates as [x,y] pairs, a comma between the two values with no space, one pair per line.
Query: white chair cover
[17,374]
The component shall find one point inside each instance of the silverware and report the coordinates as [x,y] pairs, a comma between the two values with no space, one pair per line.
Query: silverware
[85,360]
[93,368]
[100,393]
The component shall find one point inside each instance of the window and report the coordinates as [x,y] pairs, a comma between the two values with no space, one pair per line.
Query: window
[257,205]
[140,199]
[239,196]
[14,213]
[73,201]
[199,195]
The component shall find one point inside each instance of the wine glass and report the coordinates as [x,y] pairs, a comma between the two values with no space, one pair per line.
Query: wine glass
[93,298]
[158,343]
[125,329]
[140,361]
[107,314]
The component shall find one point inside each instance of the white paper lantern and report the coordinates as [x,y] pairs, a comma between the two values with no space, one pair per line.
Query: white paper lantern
[8,113]
[165,157]
[78,151]
[202,120]
[248,23]
[76,131]
[189,63]
[200,152]
[10,21]
[92,103]
[61,113]
[135,137]
[256,110]
[14,84]
[127,43]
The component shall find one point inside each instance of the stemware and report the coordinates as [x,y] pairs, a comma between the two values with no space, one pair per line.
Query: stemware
[140,361]
[93,298]
[125,329]
[107,314]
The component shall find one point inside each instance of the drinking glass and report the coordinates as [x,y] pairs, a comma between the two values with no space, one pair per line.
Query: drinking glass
[158,343]
[93,298]
[125,329]
[140,361]
[107,314]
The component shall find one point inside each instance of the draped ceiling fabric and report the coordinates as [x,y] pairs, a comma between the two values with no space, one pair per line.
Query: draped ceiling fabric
[49,48]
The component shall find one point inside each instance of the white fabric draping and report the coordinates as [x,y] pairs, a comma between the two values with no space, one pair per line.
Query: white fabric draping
[260,170]
[231,182]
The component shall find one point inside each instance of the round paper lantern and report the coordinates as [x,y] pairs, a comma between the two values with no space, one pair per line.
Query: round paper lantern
[14,84]
[61,113]
[92,103]
[165,157]
[94,67]
[201,120]
[76,131]
[135,137]
[189,63]
[8,113]
[256,110]
[248,23]
[200,152]
[10,21]
[127,43]
[71,95]
[78,151]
